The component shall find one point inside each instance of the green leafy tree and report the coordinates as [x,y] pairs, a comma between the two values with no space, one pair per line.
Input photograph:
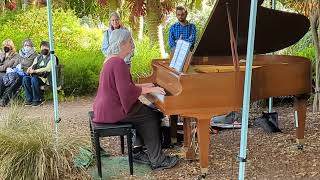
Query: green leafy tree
[311,8]
[306,7]
[193,4]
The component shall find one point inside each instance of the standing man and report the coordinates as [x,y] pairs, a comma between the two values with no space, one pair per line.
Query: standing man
[185,31]
[182,29]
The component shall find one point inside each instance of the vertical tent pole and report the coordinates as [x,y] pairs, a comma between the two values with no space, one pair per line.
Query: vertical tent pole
[273,6]
[53,69]
[247,89]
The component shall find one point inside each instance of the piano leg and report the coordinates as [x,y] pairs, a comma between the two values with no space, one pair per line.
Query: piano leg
[300,104]
[173,128]
[189,151]
[203,127]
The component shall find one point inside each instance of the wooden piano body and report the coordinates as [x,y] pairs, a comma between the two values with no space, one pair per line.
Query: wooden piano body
[210,86]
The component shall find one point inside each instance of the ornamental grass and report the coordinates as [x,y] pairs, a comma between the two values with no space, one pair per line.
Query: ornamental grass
[30,149]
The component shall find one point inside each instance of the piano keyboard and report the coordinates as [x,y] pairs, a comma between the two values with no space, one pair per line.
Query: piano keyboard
[149,99]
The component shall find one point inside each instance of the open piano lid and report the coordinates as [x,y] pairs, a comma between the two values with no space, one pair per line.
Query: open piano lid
[275,29]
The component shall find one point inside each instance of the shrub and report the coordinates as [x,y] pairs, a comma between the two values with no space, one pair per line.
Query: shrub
[141,63]
[30,150]
[8,16]
[77,46]
[304,48]
[82,71]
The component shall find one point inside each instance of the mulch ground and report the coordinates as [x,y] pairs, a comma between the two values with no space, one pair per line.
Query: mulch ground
[269,156]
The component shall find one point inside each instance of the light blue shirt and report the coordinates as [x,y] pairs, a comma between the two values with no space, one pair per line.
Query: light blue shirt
[105,45]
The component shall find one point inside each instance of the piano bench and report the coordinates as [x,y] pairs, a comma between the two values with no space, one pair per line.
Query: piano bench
[98,130]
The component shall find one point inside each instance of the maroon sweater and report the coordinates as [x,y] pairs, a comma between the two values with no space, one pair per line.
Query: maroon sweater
[116,92]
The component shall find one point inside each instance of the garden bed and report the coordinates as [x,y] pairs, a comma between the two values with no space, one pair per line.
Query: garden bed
[270,156]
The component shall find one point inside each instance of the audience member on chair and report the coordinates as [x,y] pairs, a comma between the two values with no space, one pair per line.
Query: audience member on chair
[37,75]
[12,80]
[8,55]
[117,101]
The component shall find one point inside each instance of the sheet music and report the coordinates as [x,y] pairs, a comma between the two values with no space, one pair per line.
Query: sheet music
[145,101]
[180,54]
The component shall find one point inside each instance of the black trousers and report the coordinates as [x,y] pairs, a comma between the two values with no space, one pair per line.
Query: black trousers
[2,87]
[9,92]
[147,121]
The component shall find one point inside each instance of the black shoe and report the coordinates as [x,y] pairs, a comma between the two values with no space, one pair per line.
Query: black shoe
[167,163]
[137,149]
[37,103]
[28,103]
[141,157]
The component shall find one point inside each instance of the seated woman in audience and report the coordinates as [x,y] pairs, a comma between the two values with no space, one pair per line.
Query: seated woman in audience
[8,56]
[12,80]
[37,75]
[117,101]
[27,54]
[115,24]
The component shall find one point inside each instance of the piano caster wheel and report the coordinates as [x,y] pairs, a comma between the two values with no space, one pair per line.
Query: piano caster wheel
[300,146]
[202,176]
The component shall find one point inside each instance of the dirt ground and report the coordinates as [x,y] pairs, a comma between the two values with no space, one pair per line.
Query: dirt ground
[269,156]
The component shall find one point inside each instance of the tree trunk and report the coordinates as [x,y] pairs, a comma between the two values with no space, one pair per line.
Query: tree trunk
[19,4]
[153,20]
[29,3]
[161,43]
[141,25]
[2,5]
[315,23]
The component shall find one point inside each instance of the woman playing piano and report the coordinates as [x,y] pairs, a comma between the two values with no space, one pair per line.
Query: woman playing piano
[117,101]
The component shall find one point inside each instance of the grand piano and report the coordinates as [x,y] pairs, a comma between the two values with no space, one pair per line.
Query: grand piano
[210,84]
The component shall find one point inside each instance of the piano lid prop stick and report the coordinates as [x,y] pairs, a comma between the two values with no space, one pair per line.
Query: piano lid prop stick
[233,42]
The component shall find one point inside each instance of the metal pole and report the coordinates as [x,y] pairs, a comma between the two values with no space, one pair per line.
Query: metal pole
[273,6]
[270,104]
[247,89]
[53,69]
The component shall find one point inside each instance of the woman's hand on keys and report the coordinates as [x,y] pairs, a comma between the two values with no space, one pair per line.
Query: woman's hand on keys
[159,90]
[148,84]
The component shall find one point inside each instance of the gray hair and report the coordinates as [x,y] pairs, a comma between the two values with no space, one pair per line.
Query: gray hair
[28,41]
[117,38]
[115,14]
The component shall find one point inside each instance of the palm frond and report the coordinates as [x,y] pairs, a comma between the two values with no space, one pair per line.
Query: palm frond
[102,3]
[137,7]
[306,7]
[167,6]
